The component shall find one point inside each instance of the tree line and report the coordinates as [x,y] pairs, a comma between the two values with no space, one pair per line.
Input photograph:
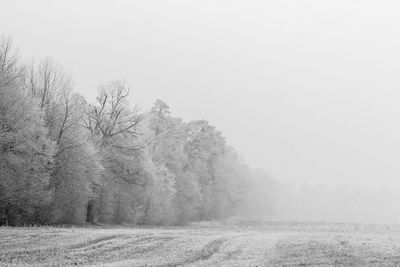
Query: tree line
[66,161]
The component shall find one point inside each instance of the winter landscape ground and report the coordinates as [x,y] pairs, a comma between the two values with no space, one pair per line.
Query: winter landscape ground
[260,244]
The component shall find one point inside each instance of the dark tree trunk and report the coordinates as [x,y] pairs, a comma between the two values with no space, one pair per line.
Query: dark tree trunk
[90,212]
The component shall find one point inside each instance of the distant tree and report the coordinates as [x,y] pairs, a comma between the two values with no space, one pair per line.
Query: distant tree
[203,145]
[158,121]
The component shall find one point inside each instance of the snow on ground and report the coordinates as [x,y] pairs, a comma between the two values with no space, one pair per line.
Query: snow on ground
[265,244]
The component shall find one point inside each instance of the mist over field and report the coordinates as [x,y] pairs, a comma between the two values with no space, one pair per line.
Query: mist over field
[277,201]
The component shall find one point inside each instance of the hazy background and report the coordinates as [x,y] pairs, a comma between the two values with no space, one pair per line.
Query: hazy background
[307,90]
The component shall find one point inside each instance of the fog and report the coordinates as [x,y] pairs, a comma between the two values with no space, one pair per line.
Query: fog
[272,200]
[308,91]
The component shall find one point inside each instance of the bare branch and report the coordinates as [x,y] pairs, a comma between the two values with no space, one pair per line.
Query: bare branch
[71,146]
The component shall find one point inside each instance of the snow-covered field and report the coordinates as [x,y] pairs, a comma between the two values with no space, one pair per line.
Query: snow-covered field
[258,244]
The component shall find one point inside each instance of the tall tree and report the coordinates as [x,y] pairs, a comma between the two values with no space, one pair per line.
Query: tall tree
[158,122]
[115,128]
[111,117]
[25,149]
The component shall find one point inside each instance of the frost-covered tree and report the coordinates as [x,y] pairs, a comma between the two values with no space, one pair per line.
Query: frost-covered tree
[231,185]
[115,128]
[63,160]
[203,146]
[112,118]
[77,166]
[205,172]
[26,152]
[51,85]
[158,122]
[78,169]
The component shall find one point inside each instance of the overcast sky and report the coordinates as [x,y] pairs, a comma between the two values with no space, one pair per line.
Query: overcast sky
[307,90]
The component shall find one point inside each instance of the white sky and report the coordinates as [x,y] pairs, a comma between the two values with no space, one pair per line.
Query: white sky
[307,90]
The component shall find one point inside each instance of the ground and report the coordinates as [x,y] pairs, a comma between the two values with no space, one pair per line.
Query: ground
[207,244]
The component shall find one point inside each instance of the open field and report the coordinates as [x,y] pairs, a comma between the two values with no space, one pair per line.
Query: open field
[267,244]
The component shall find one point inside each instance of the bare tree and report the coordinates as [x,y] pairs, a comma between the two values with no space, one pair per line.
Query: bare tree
[49,83]
[10,70]
[111,117]
[70,132]
[26,152]
[52,86]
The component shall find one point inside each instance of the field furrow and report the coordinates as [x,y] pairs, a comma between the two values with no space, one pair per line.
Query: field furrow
[266,245]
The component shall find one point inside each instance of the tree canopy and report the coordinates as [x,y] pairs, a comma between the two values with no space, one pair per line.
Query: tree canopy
[64,160]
